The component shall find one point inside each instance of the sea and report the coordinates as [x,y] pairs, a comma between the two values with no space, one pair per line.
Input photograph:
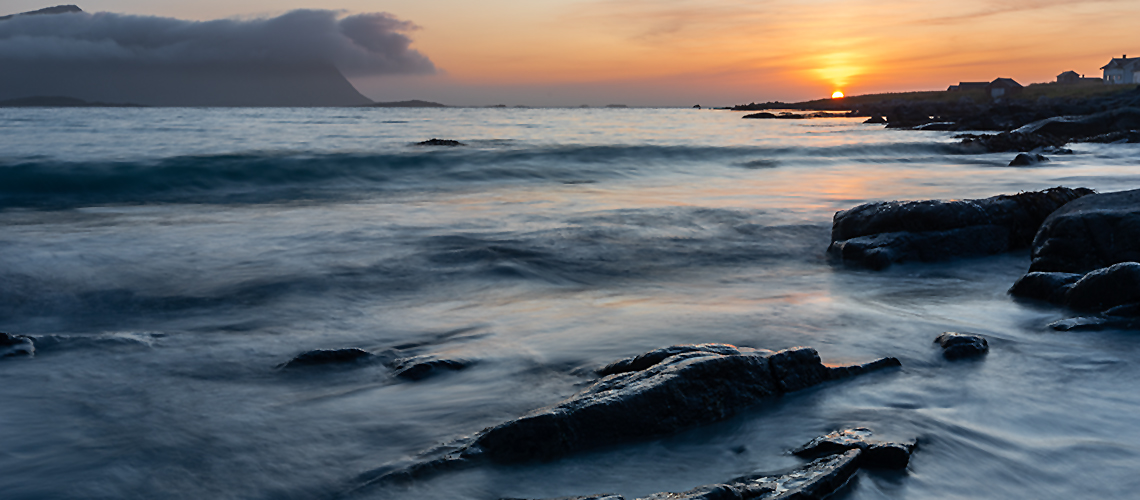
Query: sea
[167,261]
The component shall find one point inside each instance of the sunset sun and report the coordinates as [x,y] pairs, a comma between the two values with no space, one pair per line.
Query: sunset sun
[837,95]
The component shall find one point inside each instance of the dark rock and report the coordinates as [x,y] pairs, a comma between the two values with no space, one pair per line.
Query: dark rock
[1050,287]
[643,361]
[16,345]
[876,454]
[1090,233]
[876,119]
[760,115]
[1105,288]
[421,367]
[1026,159]
[683,390]
[876,234]
[440,142]
[327,357]
[697,385]
[962,345]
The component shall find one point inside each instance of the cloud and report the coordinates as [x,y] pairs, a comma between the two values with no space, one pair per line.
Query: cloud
[357,45]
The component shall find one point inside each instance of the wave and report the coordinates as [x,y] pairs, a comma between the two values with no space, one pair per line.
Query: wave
[273,177]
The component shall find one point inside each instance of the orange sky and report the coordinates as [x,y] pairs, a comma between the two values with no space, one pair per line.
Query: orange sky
[712,52]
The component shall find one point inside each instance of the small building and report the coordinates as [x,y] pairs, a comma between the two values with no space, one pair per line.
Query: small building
[1069,78]
[1122,70]
[967,86]
[1003,87]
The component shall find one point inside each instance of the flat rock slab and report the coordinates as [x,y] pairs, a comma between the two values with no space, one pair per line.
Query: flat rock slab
[875,235]
[962,345]
[319,357]
[1090,233]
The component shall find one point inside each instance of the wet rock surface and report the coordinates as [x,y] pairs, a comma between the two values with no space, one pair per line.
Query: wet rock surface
[1050,287]
[1027,159]
[422,367]
[692,385]
[1090,233]
[962,345]
[875,235]
[319,357]
[876,454]
[835,458]
[16,345]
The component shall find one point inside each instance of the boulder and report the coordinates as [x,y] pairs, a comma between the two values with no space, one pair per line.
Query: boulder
[877,234]
[1090,233]
[1050,287]
[763,115]
[876,454]
[422,367]
[1026,159]
[320,357]
[1106,288]
[681,391]
[962,345]
[16,345]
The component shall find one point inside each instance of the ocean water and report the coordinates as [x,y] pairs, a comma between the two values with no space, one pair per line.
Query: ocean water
[167,260]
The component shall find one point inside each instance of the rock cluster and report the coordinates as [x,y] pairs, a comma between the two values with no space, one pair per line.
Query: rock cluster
[875,235]
[650,395]
[840,454]
[408,368]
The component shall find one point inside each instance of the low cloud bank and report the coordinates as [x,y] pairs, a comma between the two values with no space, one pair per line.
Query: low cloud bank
[297,59]
[357,45]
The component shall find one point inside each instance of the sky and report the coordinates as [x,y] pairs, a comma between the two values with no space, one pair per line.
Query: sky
[708,52]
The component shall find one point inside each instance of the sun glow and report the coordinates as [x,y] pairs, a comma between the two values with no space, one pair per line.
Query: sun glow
[837,95]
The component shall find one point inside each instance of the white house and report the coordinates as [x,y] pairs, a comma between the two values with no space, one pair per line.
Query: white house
[1122,70]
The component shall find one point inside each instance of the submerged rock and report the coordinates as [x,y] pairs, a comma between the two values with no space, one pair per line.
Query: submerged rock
[422,367]
[876,454]
[875,235]
[16,345]
[1026,159]
[1090,233]
[440,142]
[962,345]
[327,357]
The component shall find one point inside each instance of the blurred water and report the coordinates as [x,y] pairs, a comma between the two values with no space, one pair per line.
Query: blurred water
[168,259]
